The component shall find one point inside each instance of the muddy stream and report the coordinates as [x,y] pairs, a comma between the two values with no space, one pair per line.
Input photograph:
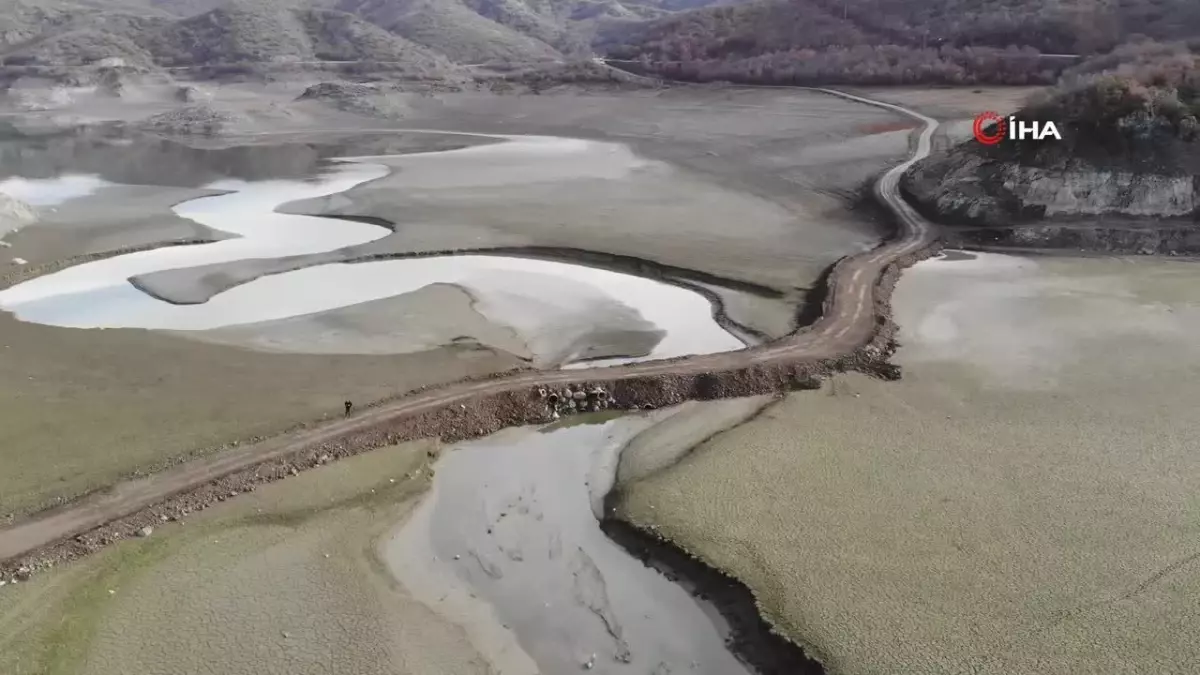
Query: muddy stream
[508,545]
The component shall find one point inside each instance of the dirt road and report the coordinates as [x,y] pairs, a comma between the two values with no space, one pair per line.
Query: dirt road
[849,322]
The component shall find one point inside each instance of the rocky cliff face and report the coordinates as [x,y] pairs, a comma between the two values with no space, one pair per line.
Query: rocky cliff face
[962,188]
[985,200]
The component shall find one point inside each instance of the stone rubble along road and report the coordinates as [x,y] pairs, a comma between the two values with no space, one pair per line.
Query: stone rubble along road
[854,332]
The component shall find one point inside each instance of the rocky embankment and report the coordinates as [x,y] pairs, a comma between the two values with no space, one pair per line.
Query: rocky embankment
[988,200]
[198,119]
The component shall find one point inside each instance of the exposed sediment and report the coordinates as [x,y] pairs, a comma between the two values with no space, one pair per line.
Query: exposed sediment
[487,413]
[855,333]
[751,637]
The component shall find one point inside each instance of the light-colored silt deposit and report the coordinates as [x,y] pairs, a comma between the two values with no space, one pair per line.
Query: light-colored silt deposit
[559,312]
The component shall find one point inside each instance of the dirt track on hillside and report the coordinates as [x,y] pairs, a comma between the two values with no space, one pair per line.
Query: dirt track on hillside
[854,332]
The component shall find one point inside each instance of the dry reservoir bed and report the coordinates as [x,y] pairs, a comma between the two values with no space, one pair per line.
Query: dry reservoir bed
[1023,501]
[79,408]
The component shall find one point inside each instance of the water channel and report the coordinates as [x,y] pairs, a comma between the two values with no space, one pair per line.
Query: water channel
[510,536]
[524,294]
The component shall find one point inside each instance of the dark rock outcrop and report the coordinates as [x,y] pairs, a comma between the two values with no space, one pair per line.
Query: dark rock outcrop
[1123,177]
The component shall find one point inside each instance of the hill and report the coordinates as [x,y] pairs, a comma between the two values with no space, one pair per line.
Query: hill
[233,33]
[891,41]
[869,42]
[427,34]
[247,33]
[762,26]
[450,28]
[1129,157]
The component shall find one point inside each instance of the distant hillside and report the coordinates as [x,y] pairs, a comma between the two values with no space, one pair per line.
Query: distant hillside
[74,47]
[73,31]
[253,34]
[891,41]
[237,33]
[233,33]
[428,33]
[762,26]
[753,41]
[451,28]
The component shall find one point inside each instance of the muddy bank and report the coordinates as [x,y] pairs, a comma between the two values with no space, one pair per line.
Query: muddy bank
[589,314]
[509,538]
[753,639]
[434,315]
[130,157]
[592,326]
[76,219]
[552,194]
[110,217]
[658,448]
[15,276]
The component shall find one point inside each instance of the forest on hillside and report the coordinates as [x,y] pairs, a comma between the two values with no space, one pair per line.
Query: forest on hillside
[894,41]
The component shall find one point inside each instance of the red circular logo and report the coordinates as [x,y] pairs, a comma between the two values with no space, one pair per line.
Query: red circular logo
[990,128]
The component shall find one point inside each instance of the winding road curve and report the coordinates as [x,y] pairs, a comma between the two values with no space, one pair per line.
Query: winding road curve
[848,324]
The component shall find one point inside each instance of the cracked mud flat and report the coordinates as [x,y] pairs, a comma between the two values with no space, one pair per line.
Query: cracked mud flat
[508,545]
[1022,501]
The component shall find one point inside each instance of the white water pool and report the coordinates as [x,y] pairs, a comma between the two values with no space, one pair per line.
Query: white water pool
[526,294]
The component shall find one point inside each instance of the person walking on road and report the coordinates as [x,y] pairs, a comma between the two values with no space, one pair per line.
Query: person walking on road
[349,405]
